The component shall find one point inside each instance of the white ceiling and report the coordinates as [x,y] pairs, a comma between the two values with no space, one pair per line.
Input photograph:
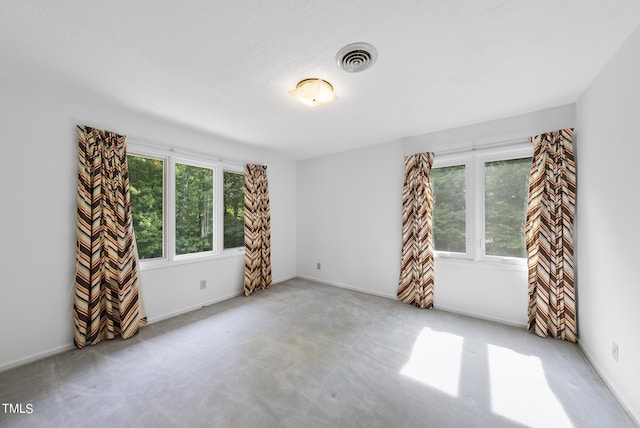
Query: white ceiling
[226,67]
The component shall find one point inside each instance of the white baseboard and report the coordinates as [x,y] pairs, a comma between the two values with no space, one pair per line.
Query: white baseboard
[394,297]
[348,287]
[208,302]
[480,316]
[37,356]
[284,278]
[192,308]
[634,417]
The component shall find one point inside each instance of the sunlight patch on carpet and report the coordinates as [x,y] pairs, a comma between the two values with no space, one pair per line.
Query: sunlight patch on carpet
[435,360]
[520,391]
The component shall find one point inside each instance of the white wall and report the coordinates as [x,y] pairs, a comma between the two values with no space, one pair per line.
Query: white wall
[38,177]
[608,150]
[350,220]
[349,217]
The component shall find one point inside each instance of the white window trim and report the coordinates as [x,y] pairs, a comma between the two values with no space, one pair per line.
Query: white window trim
[170,158]
[456,160]
[172,209]
[480,160]
[165,162]
[474,160]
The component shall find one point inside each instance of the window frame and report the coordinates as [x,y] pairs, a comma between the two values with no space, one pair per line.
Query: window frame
[170,158]
[466,161]
[474,161]
[172,214]
[165,167]
[480,160]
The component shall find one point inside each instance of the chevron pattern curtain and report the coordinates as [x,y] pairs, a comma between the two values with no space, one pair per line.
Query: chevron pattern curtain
[416,270]
[257,230]
[549,229]
[107,296]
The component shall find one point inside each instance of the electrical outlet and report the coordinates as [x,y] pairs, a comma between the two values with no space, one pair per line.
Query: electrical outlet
[318,266]
[614,351]
[203,284]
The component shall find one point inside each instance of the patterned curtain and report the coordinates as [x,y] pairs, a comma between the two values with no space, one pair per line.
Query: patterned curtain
[107,293]
[416,270]
[257,230]
[549,229]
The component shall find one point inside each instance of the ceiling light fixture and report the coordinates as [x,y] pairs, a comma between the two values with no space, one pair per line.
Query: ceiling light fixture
[313,92]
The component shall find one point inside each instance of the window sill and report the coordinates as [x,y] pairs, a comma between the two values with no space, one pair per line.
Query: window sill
[498,263]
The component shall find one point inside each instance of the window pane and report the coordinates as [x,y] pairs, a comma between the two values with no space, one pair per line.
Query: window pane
[194,209]
[449,212]
[146,178]
[506,187]
[233,210]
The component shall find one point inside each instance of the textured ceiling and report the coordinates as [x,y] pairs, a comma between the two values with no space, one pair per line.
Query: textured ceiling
[226,67]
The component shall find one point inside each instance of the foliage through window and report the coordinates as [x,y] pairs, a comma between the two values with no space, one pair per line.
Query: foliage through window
[146,184]
[194,209]
[449,212]
[480,203]
[233,220]
[184,208]
[506,189]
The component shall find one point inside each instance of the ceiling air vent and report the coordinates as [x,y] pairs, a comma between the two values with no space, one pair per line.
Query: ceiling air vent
[356,57]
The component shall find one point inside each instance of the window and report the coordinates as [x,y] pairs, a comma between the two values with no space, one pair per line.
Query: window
[185,208]
[506,190]
[194,209]
[449,211]
[233,220]
[146,184]
[480,204]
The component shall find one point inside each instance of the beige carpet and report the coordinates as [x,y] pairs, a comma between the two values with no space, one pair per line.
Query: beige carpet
[303,354]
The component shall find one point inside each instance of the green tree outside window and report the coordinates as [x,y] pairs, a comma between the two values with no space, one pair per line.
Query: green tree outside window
[194,209]
[233,210]
[506,190]
[449,212]
[146,178]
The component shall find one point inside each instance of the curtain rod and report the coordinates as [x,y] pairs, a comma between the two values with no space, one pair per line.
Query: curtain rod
[475,147]
[157,146]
